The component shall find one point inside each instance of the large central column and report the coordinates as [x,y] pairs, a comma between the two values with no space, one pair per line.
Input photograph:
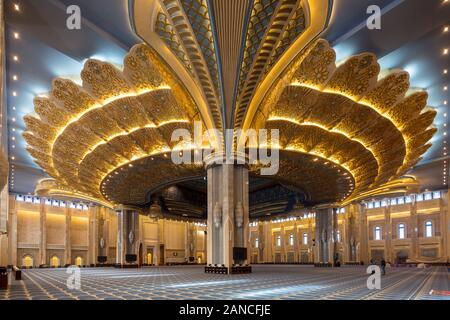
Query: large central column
[326,226]
[128,233]
[228,223]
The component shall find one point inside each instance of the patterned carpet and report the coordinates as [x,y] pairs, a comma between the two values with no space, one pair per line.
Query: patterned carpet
[266,282]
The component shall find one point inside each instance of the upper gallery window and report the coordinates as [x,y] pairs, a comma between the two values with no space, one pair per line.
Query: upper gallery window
[291,239]
[401,231]
[278,241]
[338,236]
[305,238]
[436,195]
[257,243]
[377,232]
[429,228]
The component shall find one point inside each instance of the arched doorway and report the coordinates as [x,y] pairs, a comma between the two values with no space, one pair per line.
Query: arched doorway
[79,261]
[149,258]
[27,261]
[54,262]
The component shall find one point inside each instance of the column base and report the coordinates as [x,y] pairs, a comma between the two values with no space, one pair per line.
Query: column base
[127,266]
[226,270]
[323,265]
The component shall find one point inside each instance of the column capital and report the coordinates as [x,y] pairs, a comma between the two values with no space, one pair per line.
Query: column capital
[221,158]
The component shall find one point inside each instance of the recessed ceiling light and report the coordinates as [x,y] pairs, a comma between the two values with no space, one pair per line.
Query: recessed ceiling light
[16,35]
[445,71]
[13,119]
[14,94]
[446,29]
[445,51]
[17,7]
[445,88]
[15,58]
[15,77]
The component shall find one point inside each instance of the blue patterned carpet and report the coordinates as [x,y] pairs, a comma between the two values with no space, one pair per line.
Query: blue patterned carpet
[266,282]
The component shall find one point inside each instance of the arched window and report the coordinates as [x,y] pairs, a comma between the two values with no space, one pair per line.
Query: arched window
[291,239]
[78,261]
[305,238]
[27,261]
[54,262]
[377,233]
[257,243]
[278,241]
[429,228]
[401,231]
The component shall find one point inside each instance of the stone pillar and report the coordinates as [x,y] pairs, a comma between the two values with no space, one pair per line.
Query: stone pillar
[362,246]
[93,235]
[68,242]
[388,234]
[297,243]
[228,223]
[284,242]
[4,199]
[414,232]
[128,233]
[351,234]
[325,233]
[191,241]
[102,224]
[446,224]
[43,233]
[12,232]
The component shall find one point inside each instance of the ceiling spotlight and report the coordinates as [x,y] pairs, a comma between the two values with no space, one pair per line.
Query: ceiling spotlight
[14,94]
[15,58]
[15,77]
[16,35]
[445,52]
[446,29]
[445,88]
[445,71]
[17,7]
[13,119]
[13,158]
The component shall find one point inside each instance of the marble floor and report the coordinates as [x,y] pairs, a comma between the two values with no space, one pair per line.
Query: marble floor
[266,282]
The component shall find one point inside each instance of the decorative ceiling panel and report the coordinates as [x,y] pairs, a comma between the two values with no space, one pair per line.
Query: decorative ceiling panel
[115,118]
[369,125]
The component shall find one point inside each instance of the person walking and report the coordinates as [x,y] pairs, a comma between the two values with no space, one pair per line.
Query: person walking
[383,267]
